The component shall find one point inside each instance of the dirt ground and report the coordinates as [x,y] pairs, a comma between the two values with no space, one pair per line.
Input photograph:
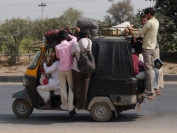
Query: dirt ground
[14,70]
[20,67]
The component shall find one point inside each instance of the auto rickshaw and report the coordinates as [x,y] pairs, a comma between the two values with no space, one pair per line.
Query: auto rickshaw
[112,88]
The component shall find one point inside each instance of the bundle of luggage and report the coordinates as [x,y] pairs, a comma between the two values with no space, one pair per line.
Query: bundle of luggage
[52,36]
[89,24]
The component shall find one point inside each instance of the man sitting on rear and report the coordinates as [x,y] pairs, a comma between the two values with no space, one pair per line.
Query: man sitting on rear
[53,82]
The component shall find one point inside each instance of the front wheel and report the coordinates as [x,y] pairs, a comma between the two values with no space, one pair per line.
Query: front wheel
[21,108]
[101,112]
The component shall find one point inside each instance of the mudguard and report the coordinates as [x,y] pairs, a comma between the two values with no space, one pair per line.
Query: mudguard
[21,95]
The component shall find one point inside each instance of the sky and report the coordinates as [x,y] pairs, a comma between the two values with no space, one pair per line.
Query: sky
[95,9]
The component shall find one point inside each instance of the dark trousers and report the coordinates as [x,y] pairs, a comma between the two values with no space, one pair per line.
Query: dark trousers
[80,88]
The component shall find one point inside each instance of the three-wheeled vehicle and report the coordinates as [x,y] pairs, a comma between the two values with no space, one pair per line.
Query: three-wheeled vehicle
[112,88]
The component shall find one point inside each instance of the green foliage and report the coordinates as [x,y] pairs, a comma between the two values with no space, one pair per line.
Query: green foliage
[167,31]
[136,19]
[1,46]
[100,23]
[12,32]
[109,21]
[25,44]
[41,26]
[17,35]
[119,12]
[167,8]
[72,15]
[166,14]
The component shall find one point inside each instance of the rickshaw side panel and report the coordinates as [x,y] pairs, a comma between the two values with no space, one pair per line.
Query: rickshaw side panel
[114,69]
[31,90]
[32,76]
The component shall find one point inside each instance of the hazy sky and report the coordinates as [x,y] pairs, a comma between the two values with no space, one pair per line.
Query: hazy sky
[29,8]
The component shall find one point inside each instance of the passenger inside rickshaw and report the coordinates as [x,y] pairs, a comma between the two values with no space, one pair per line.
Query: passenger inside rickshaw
[51,83]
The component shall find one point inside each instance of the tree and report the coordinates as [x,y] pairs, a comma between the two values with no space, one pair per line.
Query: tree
[72,15]
[136,19]
[41,26]
[111,0]
[121,11]
[166,14]
[12,32]
[109,21]
[166,34]
[167,8]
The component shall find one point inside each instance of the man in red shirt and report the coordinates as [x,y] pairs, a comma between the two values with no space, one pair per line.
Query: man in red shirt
[137,49]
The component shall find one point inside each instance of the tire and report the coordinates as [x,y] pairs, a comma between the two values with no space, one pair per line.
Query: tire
[101,112]
[21,108]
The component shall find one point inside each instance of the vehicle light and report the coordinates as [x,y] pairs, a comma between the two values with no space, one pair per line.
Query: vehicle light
[25,82]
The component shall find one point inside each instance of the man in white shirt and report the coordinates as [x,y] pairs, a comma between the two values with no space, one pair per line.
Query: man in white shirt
[80,81]
[53,83]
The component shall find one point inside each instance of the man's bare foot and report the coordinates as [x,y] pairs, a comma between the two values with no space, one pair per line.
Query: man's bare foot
[150,98]
[157,93]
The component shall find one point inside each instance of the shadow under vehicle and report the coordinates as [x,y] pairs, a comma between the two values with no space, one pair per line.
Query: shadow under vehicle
[113,87]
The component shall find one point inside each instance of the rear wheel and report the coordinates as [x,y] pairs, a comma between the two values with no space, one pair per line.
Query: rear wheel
[21,108]
[101,112]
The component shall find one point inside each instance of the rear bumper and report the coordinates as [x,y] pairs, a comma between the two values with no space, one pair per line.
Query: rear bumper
[123,100]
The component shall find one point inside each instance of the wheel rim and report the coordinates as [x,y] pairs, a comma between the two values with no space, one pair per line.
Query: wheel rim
[101,111]
[22,108]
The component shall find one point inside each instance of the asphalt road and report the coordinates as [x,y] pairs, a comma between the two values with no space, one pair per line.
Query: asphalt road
[159,116]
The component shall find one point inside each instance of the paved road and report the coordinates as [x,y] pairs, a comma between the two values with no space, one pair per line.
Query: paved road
[159,116]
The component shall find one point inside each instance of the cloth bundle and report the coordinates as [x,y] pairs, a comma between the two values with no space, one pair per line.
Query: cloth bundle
[87,23]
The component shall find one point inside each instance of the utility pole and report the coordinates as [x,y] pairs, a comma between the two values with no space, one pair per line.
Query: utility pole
[42,5]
